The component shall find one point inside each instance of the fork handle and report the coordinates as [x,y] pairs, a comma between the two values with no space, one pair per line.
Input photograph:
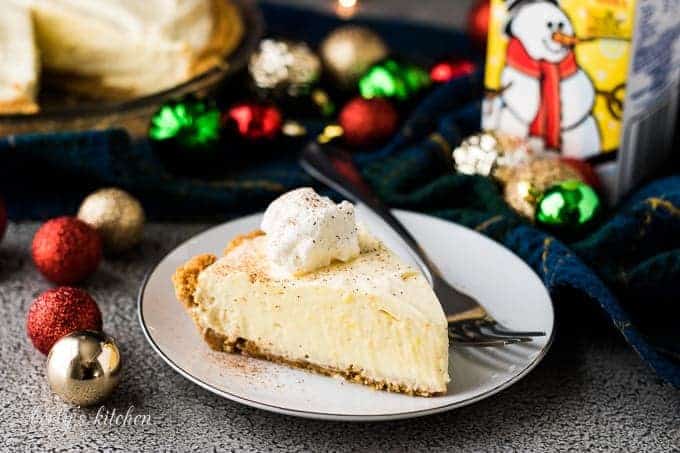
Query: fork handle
[475,313]
[335,168]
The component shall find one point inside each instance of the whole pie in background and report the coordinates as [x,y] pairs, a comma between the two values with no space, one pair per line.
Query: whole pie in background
[109,49]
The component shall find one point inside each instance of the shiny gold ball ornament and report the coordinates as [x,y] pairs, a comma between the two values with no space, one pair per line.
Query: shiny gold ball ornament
[281,64]
[526,183]
[116,215]
[490,154]
[84,367]
[348,52]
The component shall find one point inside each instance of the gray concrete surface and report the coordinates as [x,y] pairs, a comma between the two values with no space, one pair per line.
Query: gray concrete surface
[590,393]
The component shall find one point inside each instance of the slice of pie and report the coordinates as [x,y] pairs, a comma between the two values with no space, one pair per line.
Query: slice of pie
[19,64]
[372,319]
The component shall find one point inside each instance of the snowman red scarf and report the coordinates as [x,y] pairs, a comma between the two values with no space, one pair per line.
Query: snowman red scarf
[546,124]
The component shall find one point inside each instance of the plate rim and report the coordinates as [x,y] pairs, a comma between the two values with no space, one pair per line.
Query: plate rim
[329,415]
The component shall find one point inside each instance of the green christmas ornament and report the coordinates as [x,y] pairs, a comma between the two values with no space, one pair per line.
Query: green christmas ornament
[569,204]
[190,123]
[185,135]
[393,79]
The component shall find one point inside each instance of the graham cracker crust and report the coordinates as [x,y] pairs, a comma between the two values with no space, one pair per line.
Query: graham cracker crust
[22,105]
[185,278]
[241,238]
[185,281]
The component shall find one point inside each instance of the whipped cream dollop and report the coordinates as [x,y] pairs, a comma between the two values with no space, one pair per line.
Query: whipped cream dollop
[306,231]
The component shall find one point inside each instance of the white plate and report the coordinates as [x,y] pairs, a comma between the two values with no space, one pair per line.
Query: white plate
[503,283]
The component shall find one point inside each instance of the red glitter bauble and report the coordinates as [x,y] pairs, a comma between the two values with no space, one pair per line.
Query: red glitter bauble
[586,171]
[447,70]
[59,312]
[66,250]
[3,219]
[367,122]
[254,121]
[478,22]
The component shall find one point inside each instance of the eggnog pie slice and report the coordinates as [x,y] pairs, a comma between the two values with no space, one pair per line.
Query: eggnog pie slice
[315,291]
[19,64]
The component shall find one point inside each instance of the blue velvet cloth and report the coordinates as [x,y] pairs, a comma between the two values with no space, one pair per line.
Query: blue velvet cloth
[629,265]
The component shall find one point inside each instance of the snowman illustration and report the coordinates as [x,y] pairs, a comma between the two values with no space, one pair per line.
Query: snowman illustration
[544,94]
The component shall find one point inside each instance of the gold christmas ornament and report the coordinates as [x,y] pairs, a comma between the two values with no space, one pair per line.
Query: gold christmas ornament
[348,52]
[525,183]
[84,368]
[490,154]
[116,215]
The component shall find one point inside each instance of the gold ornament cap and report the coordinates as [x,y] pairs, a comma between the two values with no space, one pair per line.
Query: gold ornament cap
[348,52]
[84,368]
[525,183]
[116,215]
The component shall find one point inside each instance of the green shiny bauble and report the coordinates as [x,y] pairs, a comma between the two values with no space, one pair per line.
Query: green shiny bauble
[393,79]
[191,123]
[570,204]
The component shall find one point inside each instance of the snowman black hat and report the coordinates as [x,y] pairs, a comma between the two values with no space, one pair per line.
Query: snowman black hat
[513,5]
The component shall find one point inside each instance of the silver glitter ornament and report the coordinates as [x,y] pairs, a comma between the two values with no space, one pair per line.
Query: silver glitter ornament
[490,154]
[284,64]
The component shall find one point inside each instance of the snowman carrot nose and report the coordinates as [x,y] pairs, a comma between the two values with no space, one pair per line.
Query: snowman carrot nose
[565,40]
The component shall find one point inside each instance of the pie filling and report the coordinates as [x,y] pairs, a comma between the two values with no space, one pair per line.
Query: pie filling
[317,291]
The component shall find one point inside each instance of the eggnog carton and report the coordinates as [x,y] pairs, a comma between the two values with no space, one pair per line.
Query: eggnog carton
[593,79]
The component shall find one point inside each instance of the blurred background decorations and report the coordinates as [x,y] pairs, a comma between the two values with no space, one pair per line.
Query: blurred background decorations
[448,69]
[478,23]
[289,66]
[349,51]
[393,79]
[368,122]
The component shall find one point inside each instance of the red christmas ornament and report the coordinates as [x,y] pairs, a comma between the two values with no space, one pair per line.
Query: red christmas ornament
[3,219]
[585,170]
[255,121]
[478,22]
[367,122]
[66,250]
[447,70]
[59,312]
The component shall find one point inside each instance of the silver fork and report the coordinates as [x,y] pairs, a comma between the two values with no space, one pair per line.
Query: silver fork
[469,322]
